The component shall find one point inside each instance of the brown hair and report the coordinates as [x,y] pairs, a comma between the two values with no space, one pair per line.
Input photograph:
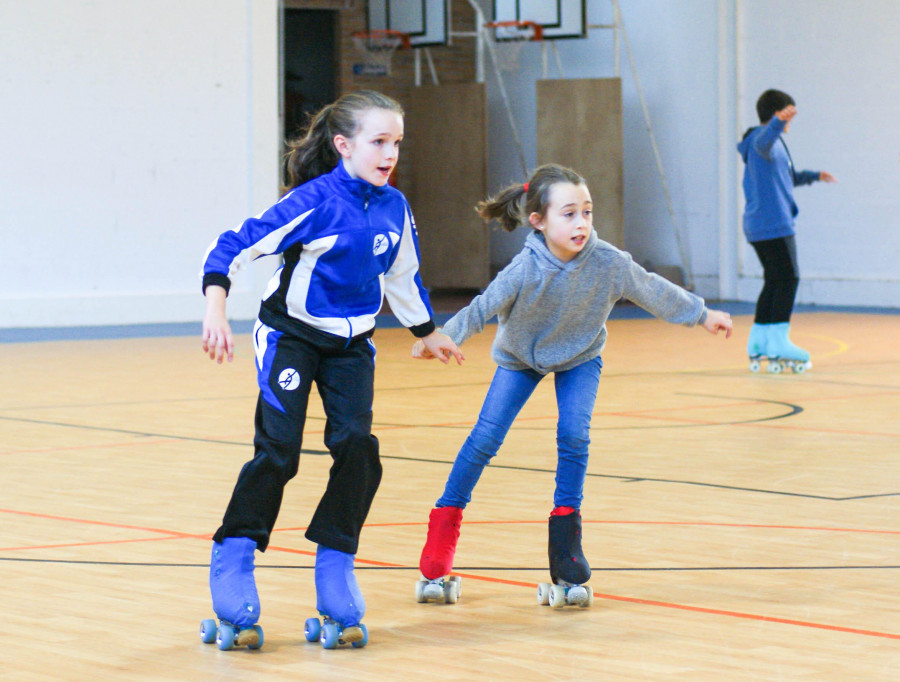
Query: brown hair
[314,154]
[505,206]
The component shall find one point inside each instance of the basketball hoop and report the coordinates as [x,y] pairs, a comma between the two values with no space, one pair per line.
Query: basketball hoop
[506,38]
[376,48]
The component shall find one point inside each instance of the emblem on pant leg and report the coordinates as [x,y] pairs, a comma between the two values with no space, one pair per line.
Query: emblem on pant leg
[289,379]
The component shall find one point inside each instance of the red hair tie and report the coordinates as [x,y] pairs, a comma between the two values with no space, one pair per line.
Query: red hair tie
[525,187]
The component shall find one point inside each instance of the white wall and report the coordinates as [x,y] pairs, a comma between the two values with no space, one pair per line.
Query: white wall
[702,64]
[841,63]
[133,133]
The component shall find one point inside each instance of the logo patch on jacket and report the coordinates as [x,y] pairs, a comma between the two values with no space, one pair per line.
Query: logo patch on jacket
[381,244]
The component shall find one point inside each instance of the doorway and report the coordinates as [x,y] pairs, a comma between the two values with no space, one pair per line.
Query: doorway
[309,65]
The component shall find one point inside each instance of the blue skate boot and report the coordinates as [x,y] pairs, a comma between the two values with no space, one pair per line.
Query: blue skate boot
[569,570]
[339,602]
[234,596]
[787,355]
[757,345]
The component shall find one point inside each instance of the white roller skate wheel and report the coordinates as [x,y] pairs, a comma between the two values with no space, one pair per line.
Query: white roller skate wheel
[577,594]
[450,595]
[456,580]
[754,366]
[557,596]
[589,601]
[774,367]
[543,594]
[433,590]
[801,367]
[420,591]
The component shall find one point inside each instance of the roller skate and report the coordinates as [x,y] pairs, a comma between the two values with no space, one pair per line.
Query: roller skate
[569,570]
[757,345]
[783,353]
[437,558]
[339,602]
[234,596]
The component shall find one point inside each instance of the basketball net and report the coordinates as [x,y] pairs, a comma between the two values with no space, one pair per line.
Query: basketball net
[507,38]
[376,48]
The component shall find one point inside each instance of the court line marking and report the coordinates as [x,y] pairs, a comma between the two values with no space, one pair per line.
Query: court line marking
[517,583]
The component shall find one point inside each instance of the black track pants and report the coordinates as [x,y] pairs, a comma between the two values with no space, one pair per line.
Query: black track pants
[344,375]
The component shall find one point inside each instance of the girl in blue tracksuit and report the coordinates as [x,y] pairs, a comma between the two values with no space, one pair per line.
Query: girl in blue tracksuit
[348,239]
[769,179]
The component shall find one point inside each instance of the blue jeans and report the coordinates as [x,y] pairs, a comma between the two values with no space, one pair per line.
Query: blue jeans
[576,391]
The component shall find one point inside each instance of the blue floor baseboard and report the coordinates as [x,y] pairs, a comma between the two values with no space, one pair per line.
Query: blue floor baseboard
[133,331]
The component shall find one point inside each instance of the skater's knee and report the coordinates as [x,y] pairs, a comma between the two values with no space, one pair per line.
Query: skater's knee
[572,446]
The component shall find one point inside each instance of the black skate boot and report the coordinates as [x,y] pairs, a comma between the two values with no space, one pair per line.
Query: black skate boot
[569,570]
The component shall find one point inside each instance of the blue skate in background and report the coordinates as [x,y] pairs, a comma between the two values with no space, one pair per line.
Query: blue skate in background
[784,352]
[771,343]
[569,570]
[339,602]
[234,596]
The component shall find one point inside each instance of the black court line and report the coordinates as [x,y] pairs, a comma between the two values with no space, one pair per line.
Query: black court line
[456,569]
[146,434]
[643,479]
[791,410]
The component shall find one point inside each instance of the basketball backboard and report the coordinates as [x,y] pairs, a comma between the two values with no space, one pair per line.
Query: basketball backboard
[424,20]
[559,18]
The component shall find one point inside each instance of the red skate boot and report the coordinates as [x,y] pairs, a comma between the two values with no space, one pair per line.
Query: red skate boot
[437,558]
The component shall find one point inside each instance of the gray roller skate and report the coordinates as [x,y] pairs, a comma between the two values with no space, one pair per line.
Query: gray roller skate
[569,570]
[338,601]
[234,596]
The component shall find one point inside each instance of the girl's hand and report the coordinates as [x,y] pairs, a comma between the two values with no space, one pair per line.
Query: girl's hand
[716,320]
[825,176]
[217,340]
[420,352]
[437,345]
[787,113]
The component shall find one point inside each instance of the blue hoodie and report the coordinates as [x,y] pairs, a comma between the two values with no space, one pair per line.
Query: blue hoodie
[769,181]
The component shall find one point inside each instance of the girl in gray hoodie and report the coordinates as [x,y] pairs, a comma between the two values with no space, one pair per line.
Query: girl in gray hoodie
[552,302]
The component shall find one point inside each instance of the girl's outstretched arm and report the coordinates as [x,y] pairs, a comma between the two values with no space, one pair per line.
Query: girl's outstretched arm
[217,339]
[437,345]
[717,320]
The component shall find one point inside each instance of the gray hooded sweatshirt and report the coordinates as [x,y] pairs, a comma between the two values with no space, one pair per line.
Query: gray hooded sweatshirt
[553,314]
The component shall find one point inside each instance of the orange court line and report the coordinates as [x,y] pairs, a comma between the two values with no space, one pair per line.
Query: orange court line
[91,543]
[107,524]
[503,581]
[653,523]
[701,609]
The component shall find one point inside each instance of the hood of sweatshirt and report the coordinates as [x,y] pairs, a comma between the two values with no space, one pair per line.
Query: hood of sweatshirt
[537,245]
[743,146]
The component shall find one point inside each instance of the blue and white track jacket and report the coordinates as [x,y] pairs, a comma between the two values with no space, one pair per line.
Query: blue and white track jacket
[346,245]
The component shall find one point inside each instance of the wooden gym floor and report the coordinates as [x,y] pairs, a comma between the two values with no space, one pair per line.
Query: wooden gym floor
[739,526]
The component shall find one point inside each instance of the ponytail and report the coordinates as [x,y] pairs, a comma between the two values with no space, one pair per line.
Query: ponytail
[505,207]
[314,153]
